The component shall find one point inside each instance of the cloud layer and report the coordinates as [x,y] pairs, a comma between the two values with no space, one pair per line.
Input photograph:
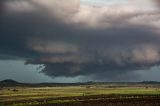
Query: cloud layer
[72,39]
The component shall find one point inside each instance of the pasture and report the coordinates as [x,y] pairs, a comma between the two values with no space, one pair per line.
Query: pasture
[80,95]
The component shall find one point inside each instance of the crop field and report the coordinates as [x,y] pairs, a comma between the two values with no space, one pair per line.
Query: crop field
[80,96]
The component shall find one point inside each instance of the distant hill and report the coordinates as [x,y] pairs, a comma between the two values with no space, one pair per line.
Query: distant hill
[13,83]
[9,82]
[150,82]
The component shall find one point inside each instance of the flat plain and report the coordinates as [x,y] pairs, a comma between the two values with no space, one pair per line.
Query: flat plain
[82,95]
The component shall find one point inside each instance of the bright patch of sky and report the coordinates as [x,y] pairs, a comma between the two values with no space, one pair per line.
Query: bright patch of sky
[142,4]
[103,2]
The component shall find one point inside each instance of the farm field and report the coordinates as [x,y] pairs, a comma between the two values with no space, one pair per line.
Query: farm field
[80,96]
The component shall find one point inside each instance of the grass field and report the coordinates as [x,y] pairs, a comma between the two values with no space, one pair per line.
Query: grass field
[76,95]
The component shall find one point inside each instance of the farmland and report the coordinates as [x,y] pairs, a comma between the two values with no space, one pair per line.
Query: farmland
[82,95]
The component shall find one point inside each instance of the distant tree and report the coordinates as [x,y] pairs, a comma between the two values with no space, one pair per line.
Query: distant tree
[15,90]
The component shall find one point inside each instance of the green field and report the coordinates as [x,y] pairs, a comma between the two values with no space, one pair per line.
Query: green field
[21,96]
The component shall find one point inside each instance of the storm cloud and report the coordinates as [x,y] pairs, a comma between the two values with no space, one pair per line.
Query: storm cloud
[71,39]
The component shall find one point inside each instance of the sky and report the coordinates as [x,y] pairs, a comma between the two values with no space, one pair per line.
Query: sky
[103,2]
[79,41]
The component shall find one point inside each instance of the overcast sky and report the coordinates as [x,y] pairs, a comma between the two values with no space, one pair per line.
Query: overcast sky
[75,41]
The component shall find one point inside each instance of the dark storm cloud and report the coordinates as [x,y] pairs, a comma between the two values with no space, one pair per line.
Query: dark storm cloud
[70,39]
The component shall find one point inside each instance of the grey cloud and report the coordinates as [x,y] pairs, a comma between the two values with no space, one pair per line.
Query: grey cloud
[72,39]
[156,1]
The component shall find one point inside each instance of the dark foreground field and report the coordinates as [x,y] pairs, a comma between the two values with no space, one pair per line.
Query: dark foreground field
[97,100]
[105,101]
[95,94]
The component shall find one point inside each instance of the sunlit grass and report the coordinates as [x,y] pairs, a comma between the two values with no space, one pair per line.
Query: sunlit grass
[54,92]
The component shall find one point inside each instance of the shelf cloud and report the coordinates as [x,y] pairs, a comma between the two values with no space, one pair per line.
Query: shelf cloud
[71,39]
